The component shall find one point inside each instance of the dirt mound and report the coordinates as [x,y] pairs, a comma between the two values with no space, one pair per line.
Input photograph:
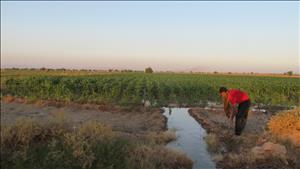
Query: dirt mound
[269,149]
[8,99]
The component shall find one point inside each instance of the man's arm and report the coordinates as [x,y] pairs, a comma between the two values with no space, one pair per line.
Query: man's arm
[233,112]
[226,107]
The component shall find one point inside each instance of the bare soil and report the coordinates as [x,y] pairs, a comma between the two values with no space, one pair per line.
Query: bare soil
[216,121]
[137,120]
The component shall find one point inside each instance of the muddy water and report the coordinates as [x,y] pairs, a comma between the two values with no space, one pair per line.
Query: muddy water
[189,137]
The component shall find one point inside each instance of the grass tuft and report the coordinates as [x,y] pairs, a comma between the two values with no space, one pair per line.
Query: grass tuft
[213,142]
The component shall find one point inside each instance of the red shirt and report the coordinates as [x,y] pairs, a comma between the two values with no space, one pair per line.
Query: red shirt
[236,96]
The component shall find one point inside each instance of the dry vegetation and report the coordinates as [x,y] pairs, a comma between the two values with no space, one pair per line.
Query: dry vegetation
[27,144]
[161,137]
[286,125]
[213,143]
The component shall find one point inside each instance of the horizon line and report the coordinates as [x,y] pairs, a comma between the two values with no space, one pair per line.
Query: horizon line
[139,70]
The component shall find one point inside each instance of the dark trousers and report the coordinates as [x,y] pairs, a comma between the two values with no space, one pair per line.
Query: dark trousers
[241,116]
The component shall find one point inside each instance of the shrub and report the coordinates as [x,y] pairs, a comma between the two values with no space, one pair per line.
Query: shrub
[161,137]
[159,157]
[213,142]
[286,125]
[27,145]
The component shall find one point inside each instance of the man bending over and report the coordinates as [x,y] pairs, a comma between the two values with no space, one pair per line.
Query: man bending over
[240,104]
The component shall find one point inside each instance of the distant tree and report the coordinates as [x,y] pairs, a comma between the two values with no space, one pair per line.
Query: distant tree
[229,72]
[215,72]
[290,73]
[126,70]
[110,70]
[61,69]
[148,70]
[43,68]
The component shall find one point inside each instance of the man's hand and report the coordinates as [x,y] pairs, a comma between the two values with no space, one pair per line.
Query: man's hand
[227,109]
[226,106]
[228,113]
[234,110]
[231,117]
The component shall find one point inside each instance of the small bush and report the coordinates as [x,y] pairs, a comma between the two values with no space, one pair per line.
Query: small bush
[213,142]
[159,157]
[161,137]
[285,122]
[286,125]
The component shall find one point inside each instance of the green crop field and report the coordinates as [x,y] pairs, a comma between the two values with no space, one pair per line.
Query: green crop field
[159,88]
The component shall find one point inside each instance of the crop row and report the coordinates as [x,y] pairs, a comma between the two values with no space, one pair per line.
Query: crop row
[160,89]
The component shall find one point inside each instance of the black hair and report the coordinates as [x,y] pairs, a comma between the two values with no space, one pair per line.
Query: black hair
[223,89]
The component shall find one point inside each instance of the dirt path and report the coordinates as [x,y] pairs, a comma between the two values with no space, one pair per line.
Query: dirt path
[137,121]
[217,121]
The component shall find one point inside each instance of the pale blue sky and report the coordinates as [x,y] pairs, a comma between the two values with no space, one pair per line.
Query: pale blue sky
[204,36]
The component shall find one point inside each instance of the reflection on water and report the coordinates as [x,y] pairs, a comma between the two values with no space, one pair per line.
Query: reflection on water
[170,111]
[189,137]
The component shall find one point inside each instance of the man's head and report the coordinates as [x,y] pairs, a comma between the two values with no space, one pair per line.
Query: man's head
[223,91]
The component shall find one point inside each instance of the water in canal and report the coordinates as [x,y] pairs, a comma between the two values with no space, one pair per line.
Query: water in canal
[189,137]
